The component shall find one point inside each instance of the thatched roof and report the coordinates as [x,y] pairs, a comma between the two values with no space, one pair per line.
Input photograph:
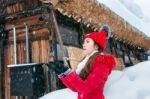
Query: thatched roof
[93,14]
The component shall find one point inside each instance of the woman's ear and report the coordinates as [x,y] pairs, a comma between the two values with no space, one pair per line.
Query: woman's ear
[96,46]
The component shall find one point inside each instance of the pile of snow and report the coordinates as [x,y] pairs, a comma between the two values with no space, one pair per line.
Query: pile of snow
[131,83]
[61,94]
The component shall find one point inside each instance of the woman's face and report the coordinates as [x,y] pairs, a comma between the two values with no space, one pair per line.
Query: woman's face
[89,46]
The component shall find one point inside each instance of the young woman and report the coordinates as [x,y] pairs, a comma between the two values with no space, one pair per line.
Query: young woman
[91,74]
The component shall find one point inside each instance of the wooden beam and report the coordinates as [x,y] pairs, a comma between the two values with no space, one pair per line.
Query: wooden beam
[32,20]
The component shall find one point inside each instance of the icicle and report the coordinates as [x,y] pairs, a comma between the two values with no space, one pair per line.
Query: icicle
[69,15]
[65,13]
[61,10]
[76,17]
[120,40]
[79,20]
[88,25]
[90,20]
[111,35]
[84,22]
[96,29]
[115,38]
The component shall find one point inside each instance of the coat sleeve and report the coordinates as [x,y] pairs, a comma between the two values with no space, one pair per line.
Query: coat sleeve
[68,84]
[96,78]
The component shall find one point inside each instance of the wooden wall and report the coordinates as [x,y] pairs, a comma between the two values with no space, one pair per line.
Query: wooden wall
[39,51]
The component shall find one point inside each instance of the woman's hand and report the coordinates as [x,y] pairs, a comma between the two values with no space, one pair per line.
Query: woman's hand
[59,68]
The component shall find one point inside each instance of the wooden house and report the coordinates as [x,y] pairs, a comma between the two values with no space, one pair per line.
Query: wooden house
[75,18]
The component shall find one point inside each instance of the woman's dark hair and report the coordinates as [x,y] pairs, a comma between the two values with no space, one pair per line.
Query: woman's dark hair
[88,66]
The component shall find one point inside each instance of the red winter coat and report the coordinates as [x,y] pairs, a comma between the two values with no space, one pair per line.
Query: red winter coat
[92,87]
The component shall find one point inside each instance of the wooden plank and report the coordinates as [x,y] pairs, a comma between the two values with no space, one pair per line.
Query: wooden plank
[11,50]
[35,54]
[45,51]
[19,53]
[23,52]
[6,72]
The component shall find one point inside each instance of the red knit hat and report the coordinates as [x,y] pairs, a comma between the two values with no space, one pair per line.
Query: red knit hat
[98,37]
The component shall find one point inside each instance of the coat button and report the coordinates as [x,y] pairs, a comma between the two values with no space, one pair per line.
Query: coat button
[81,96]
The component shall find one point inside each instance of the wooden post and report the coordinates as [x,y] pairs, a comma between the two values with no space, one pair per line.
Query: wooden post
[51,78]
[2,51]
[58,35]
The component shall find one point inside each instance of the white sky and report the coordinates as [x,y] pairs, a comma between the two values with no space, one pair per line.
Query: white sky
[145,6]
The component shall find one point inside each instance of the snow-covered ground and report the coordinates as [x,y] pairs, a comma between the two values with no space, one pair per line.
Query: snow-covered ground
[131,83]
[135,12]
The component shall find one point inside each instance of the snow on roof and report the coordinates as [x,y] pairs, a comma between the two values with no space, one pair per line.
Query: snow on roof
[128,15]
